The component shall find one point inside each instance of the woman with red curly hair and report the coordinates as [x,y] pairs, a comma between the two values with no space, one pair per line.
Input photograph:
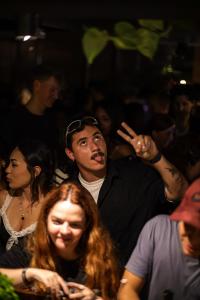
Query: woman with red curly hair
[70,252]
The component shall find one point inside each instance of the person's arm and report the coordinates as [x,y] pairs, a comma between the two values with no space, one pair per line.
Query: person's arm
[14,274]
[130,286]
[51,280]
[145,148]
[174,181]
[139,265]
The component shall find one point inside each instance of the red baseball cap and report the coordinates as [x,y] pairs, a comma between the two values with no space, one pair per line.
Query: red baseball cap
[188,210]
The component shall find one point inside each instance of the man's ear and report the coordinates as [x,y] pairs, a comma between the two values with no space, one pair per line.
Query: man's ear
[70,154]
[37,170]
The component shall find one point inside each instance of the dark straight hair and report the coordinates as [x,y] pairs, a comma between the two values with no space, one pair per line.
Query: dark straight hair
[36,153]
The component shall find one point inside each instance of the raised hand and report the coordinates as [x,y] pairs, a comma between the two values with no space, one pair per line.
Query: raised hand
[143,145]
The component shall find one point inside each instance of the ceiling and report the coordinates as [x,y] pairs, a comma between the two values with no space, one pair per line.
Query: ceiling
[101,9]
[73,14]
[63,11]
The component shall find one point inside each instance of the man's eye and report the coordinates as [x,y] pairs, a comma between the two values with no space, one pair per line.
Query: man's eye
[98,137]
[82,143]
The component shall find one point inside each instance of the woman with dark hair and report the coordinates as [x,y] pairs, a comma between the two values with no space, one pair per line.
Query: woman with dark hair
[69,253]
[29,176]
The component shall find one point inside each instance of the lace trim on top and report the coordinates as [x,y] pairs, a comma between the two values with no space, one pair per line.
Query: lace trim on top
[14,235]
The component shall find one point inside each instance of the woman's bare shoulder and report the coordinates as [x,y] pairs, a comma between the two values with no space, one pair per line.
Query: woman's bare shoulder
[3,194]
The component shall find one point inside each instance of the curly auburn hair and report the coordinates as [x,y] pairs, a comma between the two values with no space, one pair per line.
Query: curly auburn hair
[95,248]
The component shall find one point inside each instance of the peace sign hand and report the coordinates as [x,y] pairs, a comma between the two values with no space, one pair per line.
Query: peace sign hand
[143,145]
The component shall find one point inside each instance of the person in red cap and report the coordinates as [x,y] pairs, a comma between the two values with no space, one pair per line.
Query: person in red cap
[165,263]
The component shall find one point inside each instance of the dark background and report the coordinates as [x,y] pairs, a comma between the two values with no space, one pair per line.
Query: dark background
[64,22]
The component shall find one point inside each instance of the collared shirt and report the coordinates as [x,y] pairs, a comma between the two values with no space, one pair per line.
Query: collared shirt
[130,195]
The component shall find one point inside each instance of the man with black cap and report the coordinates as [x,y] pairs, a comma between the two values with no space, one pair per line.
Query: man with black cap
[165,263]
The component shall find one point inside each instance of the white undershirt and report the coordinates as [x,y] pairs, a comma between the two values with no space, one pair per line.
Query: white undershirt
[92,187]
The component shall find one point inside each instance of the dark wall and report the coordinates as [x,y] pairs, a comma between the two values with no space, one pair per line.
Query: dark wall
[64,22]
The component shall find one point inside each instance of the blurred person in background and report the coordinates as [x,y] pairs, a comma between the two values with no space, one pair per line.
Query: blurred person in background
[184,153]
[162,128]
[35,119]
[183,107]
[110,115]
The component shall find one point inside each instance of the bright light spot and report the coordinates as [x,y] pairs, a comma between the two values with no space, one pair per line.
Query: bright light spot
[183,81]
[26,38]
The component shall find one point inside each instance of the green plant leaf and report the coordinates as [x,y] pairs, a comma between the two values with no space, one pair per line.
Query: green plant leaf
[126,35]
[148,42]
[7,291]
[151,24]
[145,39]
[94,41]
[121,44]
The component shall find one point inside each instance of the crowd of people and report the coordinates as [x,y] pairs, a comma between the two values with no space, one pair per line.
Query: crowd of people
[101,201]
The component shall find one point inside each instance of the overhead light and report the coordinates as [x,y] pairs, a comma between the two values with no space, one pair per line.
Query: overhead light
[29,28]
[183,81]
[26,38]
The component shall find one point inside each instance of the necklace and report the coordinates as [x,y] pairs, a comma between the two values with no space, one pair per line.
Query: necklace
[22,211]
[22,216]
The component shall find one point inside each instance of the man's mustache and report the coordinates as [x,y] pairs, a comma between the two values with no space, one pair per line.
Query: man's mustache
[99,153]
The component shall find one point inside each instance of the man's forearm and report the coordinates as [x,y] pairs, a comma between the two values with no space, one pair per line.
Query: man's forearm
[127,294]
[175,182]
[130,286]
